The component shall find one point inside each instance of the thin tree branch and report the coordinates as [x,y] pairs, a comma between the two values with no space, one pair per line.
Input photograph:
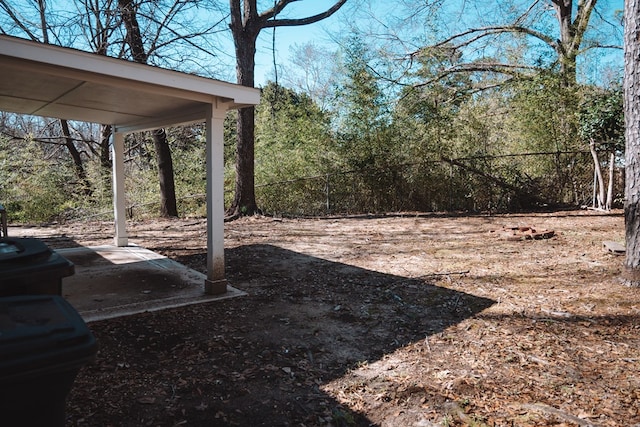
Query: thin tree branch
[301,21]
[522,17]
[487,31]
[512,70]
[276,9]
[18,21]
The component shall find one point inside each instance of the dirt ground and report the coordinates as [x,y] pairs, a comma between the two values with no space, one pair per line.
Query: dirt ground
[396,320]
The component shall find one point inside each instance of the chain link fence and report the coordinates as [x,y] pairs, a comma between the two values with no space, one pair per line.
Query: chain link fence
[509,183]
[487,183]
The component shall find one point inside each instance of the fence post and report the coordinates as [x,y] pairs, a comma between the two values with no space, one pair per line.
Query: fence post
[450,187]
[327,192]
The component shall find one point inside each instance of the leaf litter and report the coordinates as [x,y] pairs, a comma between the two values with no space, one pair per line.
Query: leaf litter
[392,320]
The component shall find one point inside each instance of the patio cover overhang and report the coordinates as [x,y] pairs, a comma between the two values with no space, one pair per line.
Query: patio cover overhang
[52,81]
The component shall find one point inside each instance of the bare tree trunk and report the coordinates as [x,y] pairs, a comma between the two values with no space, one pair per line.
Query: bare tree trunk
[598,172]
[105,158]
[168,204]
[105,138]
[571,34]
[563,15]
[594,196]
[632,138]
[77,159]
[245,27]
[244,199]
[612,161]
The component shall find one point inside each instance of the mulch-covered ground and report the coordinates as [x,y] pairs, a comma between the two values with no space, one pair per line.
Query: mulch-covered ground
[397,320]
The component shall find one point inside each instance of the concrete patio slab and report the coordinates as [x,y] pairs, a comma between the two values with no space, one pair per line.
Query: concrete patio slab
[114,281]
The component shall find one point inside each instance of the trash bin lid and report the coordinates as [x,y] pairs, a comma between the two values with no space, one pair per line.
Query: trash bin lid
[8,249]
[22,249]
[27,261]
[41,334]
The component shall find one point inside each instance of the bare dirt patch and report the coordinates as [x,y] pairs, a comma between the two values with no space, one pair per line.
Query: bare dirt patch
[399,320]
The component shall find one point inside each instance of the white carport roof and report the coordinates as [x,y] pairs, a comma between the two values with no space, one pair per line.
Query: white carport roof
[53,81]
[59,82]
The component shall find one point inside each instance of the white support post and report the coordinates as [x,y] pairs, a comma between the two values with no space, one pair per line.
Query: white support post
[215,282]
[119,209]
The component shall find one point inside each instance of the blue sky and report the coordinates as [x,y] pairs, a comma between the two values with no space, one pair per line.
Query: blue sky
[286,37]
[455,14]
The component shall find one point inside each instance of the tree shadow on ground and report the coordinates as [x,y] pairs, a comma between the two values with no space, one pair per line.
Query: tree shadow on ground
[259,360]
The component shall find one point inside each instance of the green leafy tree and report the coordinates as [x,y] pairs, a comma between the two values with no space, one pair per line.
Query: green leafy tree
[30,189]
[292,151]
[361,106]
[425,130]
[434,106]
[543,116]
[364,142]
[532,51]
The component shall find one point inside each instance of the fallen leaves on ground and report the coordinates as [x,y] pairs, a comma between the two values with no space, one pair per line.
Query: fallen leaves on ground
[399,320]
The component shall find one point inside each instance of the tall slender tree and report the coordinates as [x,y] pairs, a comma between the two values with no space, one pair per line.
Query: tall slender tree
[168,204]
[246,24]
[632,140]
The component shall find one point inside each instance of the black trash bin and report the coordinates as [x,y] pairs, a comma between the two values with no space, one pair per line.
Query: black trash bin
[43,344]
[28,266]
